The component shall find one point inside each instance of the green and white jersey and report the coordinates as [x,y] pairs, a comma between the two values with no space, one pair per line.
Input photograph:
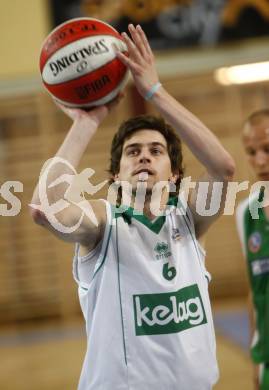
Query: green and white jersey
[254,236]
[144,296]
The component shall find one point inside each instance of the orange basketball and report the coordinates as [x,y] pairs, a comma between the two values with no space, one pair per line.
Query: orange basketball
[78,63]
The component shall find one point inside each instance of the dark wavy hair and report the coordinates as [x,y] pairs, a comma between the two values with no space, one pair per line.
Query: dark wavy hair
[151,122]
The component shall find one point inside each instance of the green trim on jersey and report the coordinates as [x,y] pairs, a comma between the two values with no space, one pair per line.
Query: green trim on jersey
[169,312]
[119,286]
[155,226]
[128,213]
[256,232]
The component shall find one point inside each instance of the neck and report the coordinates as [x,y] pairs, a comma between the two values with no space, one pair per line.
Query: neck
[150,204]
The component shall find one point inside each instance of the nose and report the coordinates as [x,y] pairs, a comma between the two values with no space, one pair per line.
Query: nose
[144,156]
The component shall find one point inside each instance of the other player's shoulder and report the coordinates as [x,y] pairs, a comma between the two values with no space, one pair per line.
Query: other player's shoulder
[244,205]
[241,211]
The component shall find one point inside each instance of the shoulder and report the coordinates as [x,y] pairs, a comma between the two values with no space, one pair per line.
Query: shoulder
[180,208]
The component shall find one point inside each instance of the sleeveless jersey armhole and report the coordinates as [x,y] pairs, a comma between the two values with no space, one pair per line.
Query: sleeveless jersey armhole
[84,267]
[182,203]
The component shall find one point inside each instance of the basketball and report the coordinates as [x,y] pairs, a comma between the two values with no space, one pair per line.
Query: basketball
[78,63]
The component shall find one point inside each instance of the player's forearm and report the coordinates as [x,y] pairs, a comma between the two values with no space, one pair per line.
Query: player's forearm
[200,140]
[76,141]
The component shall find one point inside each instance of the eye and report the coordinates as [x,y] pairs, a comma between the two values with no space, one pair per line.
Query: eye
[132,152]
[251,152]
[266,149]
[156,151]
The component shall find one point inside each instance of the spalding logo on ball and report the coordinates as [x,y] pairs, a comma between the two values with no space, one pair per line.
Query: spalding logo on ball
[78,63]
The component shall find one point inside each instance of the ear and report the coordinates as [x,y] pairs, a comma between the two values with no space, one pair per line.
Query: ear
[174,178]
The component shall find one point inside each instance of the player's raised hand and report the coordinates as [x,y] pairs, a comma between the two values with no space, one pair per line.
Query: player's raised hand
[95,114]
[140,59]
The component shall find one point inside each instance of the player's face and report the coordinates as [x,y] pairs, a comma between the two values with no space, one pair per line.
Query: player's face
[145,159]
[256,143]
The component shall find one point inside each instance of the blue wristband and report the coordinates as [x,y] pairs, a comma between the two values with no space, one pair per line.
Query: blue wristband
[152,91]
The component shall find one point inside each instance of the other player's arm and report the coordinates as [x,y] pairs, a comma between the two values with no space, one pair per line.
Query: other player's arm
[200,140]
[89,232]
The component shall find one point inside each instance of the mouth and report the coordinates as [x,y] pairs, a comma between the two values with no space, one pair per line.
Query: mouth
[143,174]
[144,171]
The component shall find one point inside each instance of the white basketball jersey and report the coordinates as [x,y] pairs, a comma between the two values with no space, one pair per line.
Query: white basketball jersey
[144,296]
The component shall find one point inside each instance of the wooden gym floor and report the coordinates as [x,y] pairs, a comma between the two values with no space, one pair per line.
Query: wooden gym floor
[49,357]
